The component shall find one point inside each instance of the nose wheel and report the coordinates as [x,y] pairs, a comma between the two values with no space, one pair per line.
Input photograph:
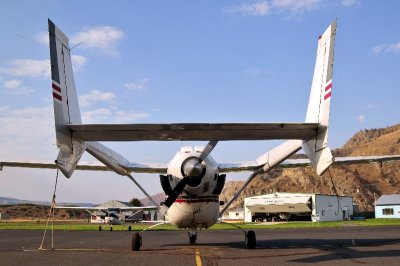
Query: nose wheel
[192,237]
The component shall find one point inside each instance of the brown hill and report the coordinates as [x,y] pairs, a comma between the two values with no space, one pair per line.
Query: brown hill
[34,212]
[364,182]
[158,198]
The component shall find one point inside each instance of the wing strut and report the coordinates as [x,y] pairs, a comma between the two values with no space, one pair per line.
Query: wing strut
[249,179]
[142,189]
[268,160]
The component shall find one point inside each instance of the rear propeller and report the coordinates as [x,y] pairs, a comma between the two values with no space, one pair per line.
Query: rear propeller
[193,171]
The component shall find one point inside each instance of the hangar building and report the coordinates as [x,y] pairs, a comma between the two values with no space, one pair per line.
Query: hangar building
[292,206]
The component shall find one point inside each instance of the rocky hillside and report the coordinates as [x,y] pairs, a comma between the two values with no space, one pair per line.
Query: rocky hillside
[363,181]
[34,212]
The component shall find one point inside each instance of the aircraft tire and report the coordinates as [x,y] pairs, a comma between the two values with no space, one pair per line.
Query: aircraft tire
[136,242]
[251,239]
[192,239]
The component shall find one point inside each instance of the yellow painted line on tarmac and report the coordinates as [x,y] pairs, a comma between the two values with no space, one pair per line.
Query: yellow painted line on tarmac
[198,259]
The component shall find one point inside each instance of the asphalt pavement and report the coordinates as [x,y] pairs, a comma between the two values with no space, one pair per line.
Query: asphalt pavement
[379,245]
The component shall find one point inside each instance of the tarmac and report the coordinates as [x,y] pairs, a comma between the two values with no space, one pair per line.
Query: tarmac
[328,246]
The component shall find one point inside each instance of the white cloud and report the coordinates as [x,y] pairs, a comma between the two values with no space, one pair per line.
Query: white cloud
[378,49]
[96,116]
[15,86]
[253,72]
[27,131]
[4,108]
[28,68]
[295,6]
[261,8]
[37,68]
[139,85]
[78,61]
[104,115]
[351,2]
[361,118]
[386,48]
[371,106]
[129,117]
[105,38]
[12,84]
[96,96]
[42,38]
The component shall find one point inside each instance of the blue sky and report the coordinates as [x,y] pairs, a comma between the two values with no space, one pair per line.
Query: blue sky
[182,61]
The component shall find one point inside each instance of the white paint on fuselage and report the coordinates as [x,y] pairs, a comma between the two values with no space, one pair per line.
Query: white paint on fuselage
[193,215]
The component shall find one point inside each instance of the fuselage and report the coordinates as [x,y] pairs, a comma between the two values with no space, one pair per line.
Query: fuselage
[198,205]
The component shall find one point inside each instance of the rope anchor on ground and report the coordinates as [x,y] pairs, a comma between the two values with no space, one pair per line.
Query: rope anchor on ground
[51,215]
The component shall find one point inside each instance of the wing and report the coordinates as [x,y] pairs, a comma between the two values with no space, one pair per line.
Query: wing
[200,131]
[80,208]
[92,166]
[144,208]
[293,163]
[149,208]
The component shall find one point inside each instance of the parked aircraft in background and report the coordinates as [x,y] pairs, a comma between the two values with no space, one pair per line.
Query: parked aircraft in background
[111,215]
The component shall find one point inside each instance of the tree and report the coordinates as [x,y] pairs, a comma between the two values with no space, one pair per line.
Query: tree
[135,202]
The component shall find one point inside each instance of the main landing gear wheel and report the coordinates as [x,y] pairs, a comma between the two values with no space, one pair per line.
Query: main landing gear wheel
[251,239]
[136,241]
[192,238]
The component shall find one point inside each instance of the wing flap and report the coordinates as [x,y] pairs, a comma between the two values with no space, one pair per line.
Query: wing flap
[196,132]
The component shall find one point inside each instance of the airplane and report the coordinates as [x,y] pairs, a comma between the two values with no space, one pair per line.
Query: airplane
[110,215]
[192,180]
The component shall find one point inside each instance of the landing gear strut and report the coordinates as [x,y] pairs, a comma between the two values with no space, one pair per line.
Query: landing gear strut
[251,239]
[192,237]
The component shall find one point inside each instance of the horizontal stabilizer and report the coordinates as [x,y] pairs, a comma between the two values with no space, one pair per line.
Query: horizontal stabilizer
[192,131]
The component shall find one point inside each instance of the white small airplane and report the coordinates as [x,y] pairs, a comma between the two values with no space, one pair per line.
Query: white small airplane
[192,180]
[110,216]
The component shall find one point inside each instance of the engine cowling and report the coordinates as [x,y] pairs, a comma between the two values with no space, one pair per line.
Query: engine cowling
[203,176]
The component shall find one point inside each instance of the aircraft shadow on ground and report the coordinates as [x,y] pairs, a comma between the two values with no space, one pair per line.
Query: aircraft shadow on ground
[337,248]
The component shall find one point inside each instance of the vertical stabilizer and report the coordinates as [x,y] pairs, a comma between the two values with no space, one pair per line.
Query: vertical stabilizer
[65,100]
[319,103]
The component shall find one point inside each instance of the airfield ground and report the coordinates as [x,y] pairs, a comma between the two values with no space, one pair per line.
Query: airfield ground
[345,245]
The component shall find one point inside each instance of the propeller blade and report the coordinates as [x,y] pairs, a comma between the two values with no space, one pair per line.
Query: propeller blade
[174,194]
[207,150]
